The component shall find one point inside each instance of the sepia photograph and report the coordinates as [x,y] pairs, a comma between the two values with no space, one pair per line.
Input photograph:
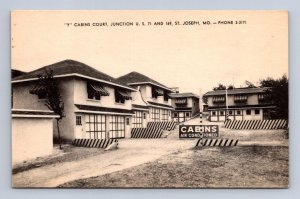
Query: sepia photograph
[149,99]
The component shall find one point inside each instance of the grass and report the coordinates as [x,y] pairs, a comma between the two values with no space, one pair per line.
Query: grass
[223,167]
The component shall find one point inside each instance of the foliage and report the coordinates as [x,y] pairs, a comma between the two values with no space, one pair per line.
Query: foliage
[277,93]
[219,87]
[52,96]
[250,84]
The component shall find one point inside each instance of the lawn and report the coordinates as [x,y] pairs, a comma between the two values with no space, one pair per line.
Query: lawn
[223,167]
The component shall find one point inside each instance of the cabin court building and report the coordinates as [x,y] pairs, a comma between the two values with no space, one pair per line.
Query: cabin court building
[152,101]
[186,106]
[242,104]
[96,105]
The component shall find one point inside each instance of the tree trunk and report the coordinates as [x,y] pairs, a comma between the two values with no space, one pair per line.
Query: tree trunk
[58,132]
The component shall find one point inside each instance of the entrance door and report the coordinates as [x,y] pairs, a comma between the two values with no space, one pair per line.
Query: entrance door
[181,117]
[79,129]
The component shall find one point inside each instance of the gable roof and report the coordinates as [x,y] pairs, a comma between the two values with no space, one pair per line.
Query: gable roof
[237,91]
[15,73]
[179,95]
[70,68]
[135,78]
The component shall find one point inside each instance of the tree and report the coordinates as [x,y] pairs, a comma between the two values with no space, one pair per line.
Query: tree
[219,87]
[52,97]
[230,87]
[249,84]
[277,93]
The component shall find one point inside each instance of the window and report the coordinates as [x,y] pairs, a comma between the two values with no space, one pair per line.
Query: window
[238,112]
[187,114]
[221,112]
[165,115]
[213,113]
[117,126]
[39,90]
[41,95]
[156,92]
[248,112]
[137,120]
[166,96]
[78,120]
[144,115]
[230,112]
[121,96]
[127,121]
[175,114]
[95,126]
[155,114]
[92,94]
[257,111]
[95,90]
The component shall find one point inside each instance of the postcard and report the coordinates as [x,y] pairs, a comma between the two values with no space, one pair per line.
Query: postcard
[149,99]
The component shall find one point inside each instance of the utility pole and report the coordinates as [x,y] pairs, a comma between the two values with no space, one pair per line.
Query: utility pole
[226,100]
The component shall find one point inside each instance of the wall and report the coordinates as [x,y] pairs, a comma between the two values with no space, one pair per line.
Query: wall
[31,138]
[67,124]
[146,91]
[80,96]
[22,99]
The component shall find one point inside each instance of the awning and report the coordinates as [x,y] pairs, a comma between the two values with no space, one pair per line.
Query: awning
[240,98]
[125,95]
[98,88]
[158,92]
[37,89]
[180,101]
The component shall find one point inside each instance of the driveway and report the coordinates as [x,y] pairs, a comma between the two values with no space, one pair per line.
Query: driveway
[131,152]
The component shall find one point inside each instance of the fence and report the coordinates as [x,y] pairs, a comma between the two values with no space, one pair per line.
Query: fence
[217,142]
[162,125]
[95,143]
[146,132]
[256,124]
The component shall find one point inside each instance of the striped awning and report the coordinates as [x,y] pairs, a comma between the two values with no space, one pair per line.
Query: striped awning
[37,89]
[158,92]
[240,98]
[99,89]
[125,95]
[180,101]
[218,99]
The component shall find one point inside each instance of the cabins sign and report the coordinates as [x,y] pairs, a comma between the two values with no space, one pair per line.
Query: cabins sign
[198,131]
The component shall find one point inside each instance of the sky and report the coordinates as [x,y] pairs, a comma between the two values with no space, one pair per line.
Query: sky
[193,57]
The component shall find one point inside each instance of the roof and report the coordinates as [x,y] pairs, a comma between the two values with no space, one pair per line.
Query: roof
[135,78]
[33,113]
[180,95]
[160,105]
[237,91]
[70,68]
[15,73]
[103,109]
[242,106]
